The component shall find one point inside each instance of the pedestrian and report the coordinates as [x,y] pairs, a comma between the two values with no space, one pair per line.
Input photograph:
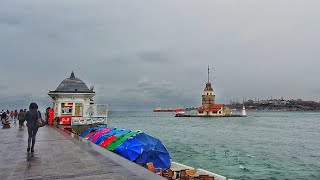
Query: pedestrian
[47,115]
[31,117]
[15,116]
[11,115]
[3,117]
[21,118]
[5,120]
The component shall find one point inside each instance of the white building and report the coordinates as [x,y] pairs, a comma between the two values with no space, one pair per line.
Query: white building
[69,99]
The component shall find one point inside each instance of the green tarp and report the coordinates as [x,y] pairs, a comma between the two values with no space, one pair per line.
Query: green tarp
[119,140]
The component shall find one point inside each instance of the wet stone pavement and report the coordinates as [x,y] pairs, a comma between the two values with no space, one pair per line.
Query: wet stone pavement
[60,156]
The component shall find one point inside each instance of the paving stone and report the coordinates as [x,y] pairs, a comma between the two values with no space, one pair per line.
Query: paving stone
[102,177]
[33,177]
[119,177]
[33,174]
[57,156]
[4,176]
[80,178]
[50,173]
[20,175]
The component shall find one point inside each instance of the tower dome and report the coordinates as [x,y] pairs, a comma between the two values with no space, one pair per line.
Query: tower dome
[73,85]
[208,87]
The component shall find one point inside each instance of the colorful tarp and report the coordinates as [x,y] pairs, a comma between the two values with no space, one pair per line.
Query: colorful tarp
[133,145]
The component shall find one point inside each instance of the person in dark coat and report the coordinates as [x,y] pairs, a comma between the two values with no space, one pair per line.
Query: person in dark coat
[3,117]
[5,120]
[47,115]
[31,117]
[21,118]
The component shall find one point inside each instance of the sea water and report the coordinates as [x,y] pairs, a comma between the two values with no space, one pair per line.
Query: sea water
[263,145]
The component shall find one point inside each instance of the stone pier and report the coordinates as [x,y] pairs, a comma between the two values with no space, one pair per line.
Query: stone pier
[59,156]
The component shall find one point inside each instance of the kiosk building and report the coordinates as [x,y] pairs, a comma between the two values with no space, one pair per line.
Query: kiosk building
[71,99]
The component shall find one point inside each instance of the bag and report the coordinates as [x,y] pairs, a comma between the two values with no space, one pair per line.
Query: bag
[40,122]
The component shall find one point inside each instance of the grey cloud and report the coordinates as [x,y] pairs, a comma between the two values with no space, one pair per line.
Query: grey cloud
[23,102]
[9,21]
[3,87]
[154,57]
[147,94]
[256,49]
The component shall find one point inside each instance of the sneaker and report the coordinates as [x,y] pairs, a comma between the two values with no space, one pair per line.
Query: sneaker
[32,150]
[28,150]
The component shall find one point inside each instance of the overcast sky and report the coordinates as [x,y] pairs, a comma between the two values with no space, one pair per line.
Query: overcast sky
[142,54]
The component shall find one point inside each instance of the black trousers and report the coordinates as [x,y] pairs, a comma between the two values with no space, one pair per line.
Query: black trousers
[32,132]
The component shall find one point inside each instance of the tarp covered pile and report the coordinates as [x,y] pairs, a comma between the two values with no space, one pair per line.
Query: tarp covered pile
[133,145]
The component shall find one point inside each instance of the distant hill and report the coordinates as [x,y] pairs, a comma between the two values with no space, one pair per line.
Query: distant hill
[278,105]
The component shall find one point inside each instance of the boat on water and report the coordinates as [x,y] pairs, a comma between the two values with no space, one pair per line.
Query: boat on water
[179,110]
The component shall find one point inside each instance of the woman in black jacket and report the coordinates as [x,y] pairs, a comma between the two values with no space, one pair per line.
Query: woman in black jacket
[31,117]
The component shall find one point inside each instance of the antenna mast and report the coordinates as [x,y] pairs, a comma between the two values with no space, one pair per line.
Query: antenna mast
[208,73]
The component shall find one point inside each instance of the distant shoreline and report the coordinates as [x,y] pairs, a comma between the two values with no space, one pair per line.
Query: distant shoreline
[275,110]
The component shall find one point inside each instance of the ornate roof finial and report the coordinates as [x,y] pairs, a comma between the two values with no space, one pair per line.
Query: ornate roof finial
[72,75]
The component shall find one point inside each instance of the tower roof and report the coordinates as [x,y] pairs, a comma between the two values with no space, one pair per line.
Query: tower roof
[208,87]
[73,85]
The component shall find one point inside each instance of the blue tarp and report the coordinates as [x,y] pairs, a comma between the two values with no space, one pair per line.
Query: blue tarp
[130,149]
[153,151]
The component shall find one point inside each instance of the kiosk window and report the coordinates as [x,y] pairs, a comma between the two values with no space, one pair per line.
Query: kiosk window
[78,109]
[66,108]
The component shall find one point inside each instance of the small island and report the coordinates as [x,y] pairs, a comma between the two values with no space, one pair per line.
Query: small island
[209,108]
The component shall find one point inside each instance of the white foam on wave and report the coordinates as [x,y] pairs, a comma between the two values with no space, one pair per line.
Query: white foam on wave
[243,168]
[251,156]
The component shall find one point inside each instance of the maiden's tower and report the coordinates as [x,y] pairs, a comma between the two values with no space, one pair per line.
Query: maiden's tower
[209,108]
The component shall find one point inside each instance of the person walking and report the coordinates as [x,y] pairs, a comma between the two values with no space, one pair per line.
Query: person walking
[15,116]
[3,117]
[32,117]
[47,115]
[11,115]
[21,118]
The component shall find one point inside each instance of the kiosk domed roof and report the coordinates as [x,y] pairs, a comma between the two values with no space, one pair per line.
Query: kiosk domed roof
[73,84]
